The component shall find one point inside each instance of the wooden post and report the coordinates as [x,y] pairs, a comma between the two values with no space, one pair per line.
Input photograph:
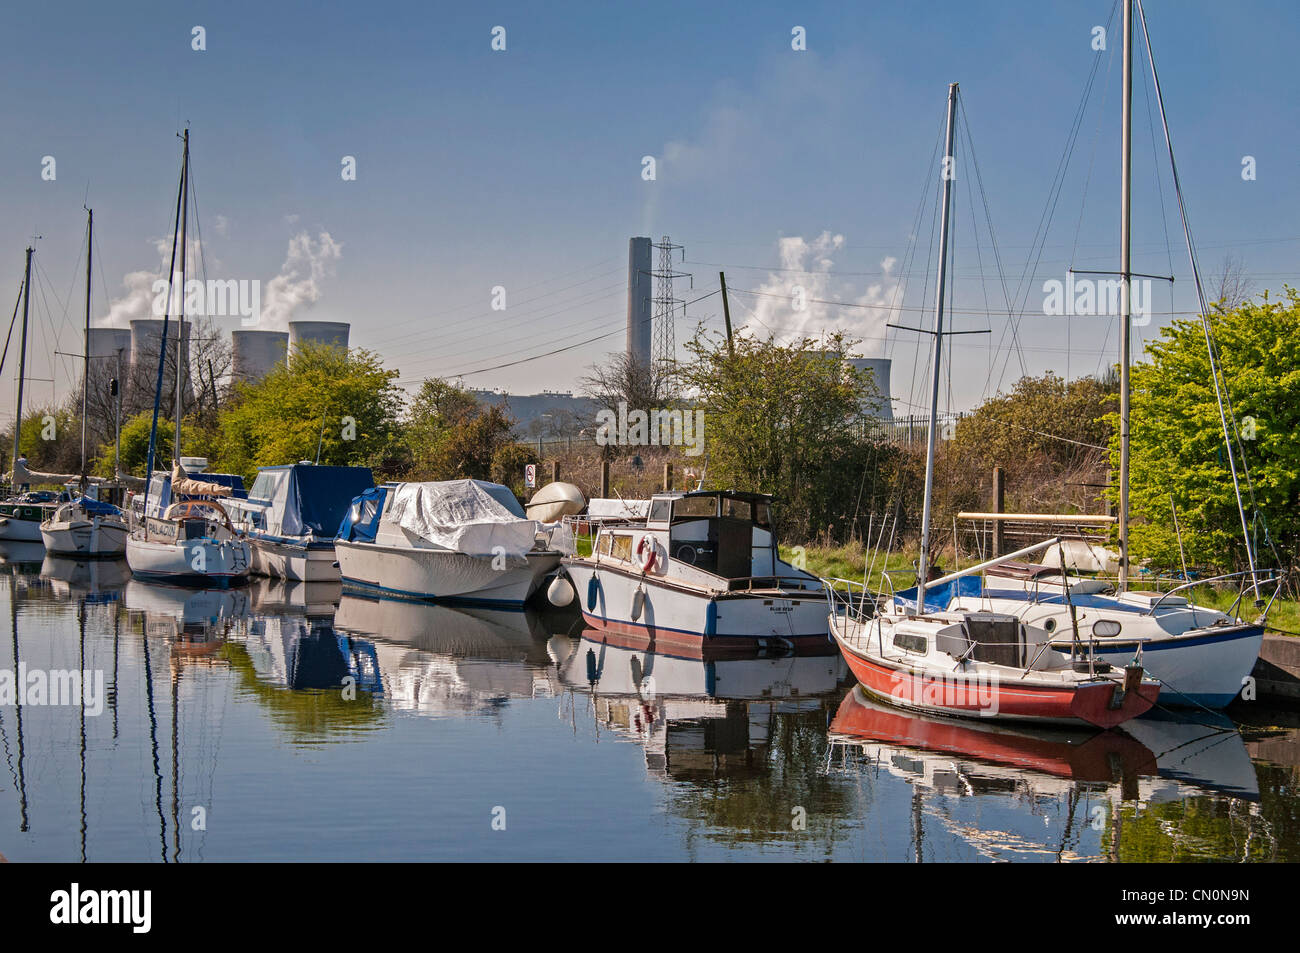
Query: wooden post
[555,471]
[604,479]
[668,477]
[999,501]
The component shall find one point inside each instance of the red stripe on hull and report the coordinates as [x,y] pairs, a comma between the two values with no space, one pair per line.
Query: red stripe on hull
[1081,755]
[1087,703]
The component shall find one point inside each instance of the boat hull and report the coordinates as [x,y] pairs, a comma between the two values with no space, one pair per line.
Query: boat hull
[440,575]
[1205,668]
[87,538]
[692,623]
[21,523]
[957,694]
[301,562]
[223,564]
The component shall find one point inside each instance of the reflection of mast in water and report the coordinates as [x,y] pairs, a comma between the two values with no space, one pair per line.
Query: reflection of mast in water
[112,696]
[918,826]
[81,640]
[176,766]
[20,780]
[153,741]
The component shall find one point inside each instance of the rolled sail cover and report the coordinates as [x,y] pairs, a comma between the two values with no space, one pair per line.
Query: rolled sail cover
[467,516]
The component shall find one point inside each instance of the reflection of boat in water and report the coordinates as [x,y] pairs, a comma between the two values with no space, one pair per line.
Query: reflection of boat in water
[22,555]
[1145,776]
[299,652]
[697,718]
[988,752]
[1171,755]
[1195,750]
[435,660]
[269,596]
[98,580]
[608,668]
[184,614]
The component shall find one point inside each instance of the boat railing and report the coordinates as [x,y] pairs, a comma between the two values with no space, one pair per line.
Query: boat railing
[850,599]
[1275,578]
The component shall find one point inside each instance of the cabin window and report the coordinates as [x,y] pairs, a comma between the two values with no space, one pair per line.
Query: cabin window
[603,546]
[1050,625]
[696,506]
[659,510]
[763,515]
[740,509]
[622,547]
[910,643]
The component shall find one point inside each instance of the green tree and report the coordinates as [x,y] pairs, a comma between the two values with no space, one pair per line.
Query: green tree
[1048,435]
[452,436]
[343,400]
[779,419]
[135,447]
[1177,441]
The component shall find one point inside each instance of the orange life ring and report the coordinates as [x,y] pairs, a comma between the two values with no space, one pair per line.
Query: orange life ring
[647,552]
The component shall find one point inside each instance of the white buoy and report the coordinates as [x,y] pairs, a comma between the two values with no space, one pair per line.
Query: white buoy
[559,593]
[638,603]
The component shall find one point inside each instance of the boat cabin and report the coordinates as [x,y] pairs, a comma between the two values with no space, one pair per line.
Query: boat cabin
[722,532]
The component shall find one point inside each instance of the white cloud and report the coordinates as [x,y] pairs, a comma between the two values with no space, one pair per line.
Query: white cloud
[806,277]
[297,286]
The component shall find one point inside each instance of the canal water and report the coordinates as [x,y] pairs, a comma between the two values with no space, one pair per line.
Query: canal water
[292,722]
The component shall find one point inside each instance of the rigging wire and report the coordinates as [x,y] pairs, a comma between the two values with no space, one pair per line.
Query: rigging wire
[1230,434]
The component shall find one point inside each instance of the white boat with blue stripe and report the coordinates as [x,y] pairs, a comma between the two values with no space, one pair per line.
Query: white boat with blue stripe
[1201,656]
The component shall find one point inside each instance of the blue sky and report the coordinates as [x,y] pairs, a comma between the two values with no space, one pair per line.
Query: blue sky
[523,168]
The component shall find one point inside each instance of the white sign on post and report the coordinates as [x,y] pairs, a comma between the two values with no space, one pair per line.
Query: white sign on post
[530,475]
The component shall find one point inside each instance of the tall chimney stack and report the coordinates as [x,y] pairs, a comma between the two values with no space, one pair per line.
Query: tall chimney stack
[639,294]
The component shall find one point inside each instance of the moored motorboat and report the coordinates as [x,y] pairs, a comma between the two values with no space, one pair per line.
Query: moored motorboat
[702,572]
[292,514]
[464,541]
[21,517]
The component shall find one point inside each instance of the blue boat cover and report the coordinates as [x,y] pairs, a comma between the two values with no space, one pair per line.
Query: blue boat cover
[97,507]
[939,597]
[361,521]
[308,500]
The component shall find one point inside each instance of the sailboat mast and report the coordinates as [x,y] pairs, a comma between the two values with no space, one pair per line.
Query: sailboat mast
[85,363]
[180,326]
[923,568]
[22,366]
[1125,288]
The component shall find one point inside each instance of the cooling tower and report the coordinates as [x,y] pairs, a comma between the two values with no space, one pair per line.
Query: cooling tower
[254,353]
[146,333]
[639,293]
[105,343]
[318,332]
[879,368]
